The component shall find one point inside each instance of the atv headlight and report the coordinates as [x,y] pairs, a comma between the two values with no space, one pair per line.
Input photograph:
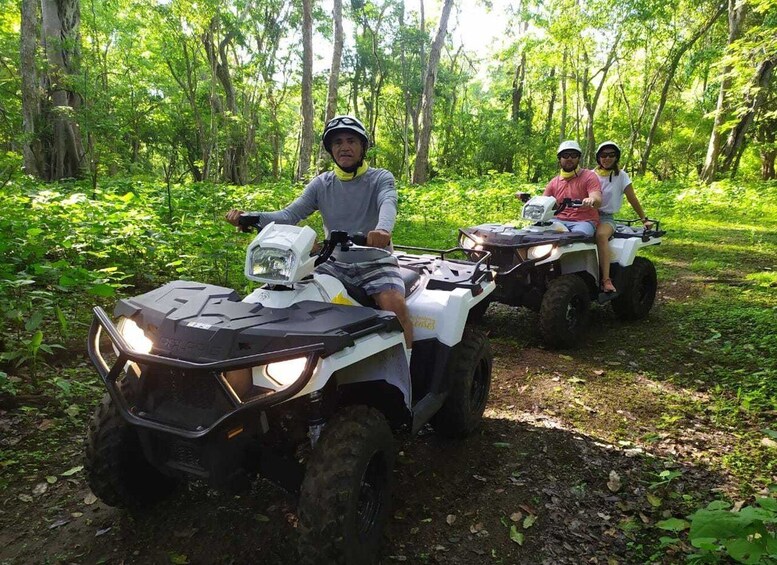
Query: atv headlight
[472,242]
[539,251]
[286,372]
[273,264]
[533,212]
[134,336]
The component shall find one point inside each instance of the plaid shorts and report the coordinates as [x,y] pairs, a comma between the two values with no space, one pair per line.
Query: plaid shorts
[372,276]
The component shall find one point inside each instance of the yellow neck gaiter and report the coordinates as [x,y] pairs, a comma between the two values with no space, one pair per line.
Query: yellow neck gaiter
[342,175]
[568,175]
[602,172]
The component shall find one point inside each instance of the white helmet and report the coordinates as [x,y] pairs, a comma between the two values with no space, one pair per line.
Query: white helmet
[612,144]
[341,123]
[567,146]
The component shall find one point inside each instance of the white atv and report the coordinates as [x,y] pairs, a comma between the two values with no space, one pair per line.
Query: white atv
[555,272]
[296,382]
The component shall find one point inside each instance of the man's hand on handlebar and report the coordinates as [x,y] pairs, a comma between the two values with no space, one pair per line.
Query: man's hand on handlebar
[233,217]
[378,238]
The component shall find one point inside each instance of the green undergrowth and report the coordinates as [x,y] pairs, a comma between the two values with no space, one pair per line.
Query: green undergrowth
[712,341]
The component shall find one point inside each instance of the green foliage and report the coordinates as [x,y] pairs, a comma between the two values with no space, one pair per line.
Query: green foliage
[745,535]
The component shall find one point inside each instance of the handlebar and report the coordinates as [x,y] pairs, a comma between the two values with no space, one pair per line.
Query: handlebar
[342,239]
[249,220]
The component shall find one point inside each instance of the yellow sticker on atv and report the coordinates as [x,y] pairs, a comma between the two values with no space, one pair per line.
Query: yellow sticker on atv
[342,299]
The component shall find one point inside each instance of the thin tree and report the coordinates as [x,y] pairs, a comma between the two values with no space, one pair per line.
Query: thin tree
[334,71]
[421,169]
[306,139]
[736,16]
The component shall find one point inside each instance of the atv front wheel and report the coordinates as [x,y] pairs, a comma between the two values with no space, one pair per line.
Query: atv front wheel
[345,495]
[564,311]
[469,374]
[116,468]
[636,297]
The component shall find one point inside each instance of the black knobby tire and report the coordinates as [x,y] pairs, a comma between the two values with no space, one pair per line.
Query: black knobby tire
[116,468]
[469,374]
[345,496]
[636,297]
[564,312]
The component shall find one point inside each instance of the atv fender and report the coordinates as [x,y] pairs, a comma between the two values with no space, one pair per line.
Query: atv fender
[377,357]
[580,258]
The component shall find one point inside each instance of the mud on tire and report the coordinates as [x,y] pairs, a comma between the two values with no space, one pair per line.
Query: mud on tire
[564,312]
[639,291]
[116,468]
[469,371]
[345,495]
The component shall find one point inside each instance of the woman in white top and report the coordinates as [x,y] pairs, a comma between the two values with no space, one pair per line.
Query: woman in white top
[615,183]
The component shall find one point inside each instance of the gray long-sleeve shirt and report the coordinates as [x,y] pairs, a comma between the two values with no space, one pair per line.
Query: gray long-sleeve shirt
[366,203]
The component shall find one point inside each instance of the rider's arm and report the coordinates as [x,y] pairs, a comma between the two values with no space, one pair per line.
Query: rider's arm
[387,202]
[631,196]
[302,207]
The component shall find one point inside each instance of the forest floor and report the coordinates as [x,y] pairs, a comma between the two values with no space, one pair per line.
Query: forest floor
[579,456]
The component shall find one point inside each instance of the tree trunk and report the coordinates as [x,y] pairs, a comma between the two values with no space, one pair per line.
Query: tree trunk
[672,64]
[306,140]
[63,153]
[736,16]
[32,149]
[334,71]
[754,101]
[563,126]
[421,169]
[518,84]
[591,102]
[234,164]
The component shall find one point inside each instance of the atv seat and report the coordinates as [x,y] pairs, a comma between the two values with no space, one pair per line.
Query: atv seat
[411,279]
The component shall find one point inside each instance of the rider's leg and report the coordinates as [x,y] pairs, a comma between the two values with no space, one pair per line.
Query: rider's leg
[603,233]
[394,301]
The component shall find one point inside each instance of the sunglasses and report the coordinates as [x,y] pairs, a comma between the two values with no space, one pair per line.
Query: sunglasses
[608,155]
[569,155]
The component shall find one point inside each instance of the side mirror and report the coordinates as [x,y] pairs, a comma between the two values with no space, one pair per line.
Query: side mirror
[523,196]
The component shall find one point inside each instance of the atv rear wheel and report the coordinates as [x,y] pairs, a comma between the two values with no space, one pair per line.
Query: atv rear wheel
[564,312]
[116,468]
[345,495]
[636,297]
[469,374]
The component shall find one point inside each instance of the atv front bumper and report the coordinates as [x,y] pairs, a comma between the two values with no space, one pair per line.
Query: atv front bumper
[185,398]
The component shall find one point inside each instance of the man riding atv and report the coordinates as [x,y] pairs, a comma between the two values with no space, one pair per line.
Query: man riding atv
[353,197]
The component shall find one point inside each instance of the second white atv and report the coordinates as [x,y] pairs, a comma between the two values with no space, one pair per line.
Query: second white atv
[555,272]
[297,382]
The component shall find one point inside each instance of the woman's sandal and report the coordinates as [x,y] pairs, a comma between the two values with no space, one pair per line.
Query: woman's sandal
[607,286]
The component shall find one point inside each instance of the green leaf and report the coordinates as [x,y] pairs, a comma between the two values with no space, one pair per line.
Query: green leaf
[769,504]
[61,319]
[32,233]
[177,558]
[654,501]
[502,444]
[528,522]
[516,536]
[36,340]
[34,321]
[744,551]
[72,471]
[102,289]
[673,525]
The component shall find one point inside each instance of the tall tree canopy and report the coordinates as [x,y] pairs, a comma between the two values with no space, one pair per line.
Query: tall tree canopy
[226,90]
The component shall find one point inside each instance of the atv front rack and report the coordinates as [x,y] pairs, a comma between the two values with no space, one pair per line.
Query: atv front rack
[125,354]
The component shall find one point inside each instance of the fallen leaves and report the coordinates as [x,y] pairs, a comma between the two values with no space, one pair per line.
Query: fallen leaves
[614,482]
